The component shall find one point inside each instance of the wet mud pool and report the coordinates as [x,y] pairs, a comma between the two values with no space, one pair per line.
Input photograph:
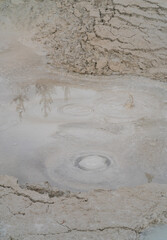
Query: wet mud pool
[79,133]
[92,141]
[83,120]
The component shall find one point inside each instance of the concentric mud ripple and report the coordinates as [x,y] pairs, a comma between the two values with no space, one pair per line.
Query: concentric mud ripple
[92,162]
[75,110]
[82,172]
[90,158]
[85,158]
[109,136]
[128,105]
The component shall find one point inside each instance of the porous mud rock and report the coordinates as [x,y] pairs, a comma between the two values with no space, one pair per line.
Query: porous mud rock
[32,213]
[95,37]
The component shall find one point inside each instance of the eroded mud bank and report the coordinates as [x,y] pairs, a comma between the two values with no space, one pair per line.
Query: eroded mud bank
[95,37]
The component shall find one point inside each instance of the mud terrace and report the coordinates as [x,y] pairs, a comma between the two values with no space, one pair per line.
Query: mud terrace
[37,212]
[94,37]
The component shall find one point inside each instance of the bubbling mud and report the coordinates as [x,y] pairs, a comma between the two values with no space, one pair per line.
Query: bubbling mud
[92,162]
[79,133]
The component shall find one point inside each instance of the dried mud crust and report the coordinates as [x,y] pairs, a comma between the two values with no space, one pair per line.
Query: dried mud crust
[39,212]
[95,37]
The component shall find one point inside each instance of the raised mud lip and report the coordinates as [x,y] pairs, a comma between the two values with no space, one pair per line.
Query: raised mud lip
[47,212]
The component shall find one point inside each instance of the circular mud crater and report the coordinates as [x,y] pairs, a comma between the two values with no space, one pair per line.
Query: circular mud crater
[76,110]
[92,162]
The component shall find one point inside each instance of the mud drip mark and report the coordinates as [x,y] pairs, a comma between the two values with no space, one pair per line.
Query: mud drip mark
[130,103]
[119,106]
[19,102]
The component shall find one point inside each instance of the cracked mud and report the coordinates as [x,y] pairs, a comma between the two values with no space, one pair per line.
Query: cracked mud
[80,215]
[95,37]
[83,126]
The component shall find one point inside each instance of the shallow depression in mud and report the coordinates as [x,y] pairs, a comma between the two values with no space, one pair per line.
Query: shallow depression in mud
[92,162]
[80,133]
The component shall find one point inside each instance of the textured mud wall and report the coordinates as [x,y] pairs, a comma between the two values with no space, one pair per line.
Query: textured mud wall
[96,37]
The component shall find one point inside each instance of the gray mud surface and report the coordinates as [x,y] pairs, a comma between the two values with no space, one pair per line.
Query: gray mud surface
[83,119]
